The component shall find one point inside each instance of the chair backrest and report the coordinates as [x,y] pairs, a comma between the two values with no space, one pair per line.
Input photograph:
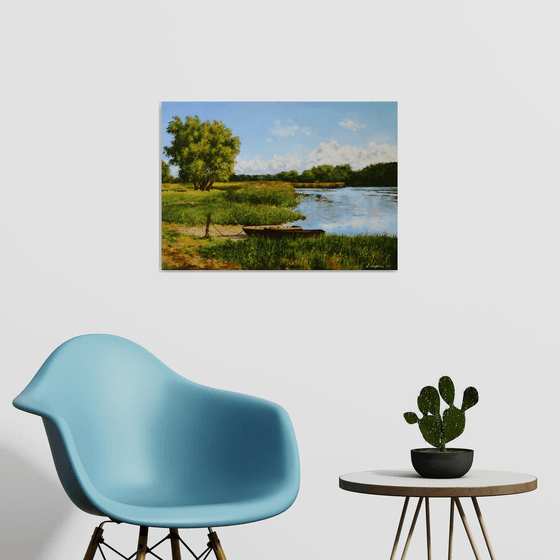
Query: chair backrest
[120,418]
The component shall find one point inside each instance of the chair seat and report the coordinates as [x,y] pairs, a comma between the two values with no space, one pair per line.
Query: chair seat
[136,442]
[155,511]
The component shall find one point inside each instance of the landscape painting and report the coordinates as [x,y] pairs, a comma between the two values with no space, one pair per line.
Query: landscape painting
[279,186]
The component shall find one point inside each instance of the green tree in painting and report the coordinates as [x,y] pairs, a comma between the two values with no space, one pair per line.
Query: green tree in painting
[378,175]
[342,173]
[322,173]
[289,176]
[204,152]
[166,176]
[307,176]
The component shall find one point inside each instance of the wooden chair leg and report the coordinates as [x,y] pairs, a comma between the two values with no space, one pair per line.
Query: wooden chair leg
[92,548]
[215,545]
[175,543]
[142,543]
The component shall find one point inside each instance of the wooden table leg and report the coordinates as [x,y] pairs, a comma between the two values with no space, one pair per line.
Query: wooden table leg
[483,527]
[429,541]
[467,528]
[451,512]
[398,535]
[453,502]
[411,528]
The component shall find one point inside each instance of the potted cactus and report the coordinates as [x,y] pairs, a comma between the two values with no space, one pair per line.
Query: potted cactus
[438,429]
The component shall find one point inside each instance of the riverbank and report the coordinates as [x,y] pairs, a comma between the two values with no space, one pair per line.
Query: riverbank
[228,206]
[185,245]
[319,185]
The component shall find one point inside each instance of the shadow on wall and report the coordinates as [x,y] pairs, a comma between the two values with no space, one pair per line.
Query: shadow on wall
[32,507]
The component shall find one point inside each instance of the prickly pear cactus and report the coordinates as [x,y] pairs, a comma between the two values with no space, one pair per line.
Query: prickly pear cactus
[439,429]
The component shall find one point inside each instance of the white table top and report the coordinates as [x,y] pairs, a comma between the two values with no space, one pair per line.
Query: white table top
[410,483]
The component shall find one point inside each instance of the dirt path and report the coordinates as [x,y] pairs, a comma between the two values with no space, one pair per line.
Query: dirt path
[217,232]
[173,256]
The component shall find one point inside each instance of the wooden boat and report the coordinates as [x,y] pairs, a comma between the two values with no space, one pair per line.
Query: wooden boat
[282,231]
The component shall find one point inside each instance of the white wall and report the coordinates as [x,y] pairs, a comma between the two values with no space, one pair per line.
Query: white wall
[475,296]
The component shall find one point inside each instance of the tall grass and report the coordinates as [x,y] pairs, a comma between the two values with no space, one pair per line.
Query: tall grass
[328,252]
[242,214]
[272,194]
[243,203]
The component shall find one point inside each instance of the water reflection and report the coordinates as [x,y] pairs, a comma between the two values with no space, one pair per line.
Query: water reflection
[350,210]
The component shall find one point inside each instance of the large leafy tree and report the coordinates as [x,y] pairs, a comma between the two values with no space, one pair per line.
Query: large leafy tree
[204,152]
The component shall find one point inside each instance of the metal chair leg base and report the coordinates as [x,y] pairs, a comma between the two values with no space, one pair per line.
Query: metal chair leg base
[98,542]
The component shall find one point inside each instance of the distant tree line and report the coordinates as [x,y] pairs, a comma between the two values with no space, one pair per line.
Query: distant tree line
[375,175]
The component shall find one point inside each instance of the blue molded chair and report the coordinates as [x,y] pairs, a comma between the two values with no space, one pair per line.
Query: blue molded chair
[135,442]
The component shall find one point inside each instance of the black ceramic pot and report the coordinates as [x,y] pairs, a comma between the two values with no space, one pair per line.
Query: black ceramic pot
[432,463]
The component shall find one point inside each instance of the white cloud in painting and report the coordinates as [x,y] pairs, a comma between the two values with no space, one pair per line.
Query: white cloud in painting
[283,131]
[334,153]
[351,125]
[258,165]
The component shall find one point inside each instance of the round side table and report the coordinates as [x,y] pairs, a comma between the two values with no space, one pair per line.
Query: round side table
[409,484]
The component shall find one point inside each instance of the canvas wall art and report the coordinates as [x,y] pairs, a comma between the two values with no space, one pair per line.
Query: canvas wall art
[279,186]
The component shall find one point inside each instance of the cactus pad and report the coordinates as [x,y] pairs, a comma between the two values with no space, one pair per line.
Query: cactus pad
[411,417]
[447,390]
[430,426]
[428,400]
[453,423]
[470,398]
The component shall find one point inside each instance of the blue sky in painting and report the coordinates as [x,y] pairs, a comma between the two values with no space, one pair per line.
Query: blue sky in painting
[280,136]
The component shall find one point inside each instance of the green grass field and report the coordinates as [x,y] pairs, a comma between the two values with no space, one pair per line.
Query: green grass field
[328,252]
[248,204]
[268,203]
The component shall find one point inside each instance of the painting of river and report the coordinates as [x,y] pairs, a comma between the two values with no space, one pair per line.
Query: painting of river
[350,210]
[279,185]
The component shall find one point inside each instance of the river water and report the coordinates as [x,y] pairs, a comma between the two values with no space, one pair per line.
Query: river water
[349,210]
